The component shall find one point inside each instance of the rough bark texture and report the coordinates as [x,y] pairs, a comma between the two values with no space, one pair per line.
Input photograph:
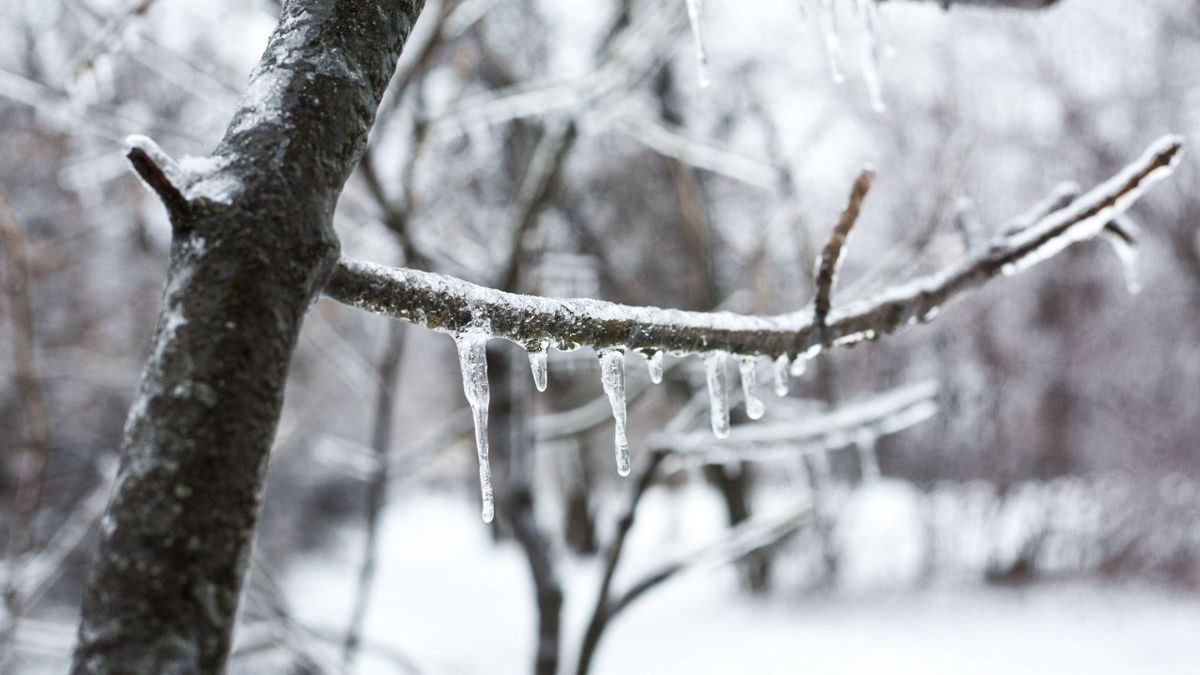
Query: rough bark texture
[253,245]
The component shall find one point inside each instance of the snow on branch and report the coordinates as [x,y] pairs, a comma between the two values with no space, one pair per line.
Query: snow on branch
[450,305]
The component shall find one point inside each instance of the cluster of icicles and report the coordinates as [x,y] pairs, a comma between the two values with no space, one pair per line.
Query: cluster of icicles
[472,359]
[867,12]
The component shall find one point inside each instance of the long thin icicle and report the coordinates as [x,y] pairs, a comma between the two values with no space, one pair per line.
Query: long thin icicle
[472,359]
[833,42]
[718,398]
[748,367]
[654,363]
[1127,253]
[537,364]
[869,54]
[781,375]
[695,11]
[612,375]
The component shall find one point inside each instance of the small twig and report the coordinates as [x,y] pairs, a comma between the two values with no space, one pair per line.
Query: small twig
[377,492]
[537,188]
[601,612]
[743,539]
[159,172]
[831,256]
[967,222]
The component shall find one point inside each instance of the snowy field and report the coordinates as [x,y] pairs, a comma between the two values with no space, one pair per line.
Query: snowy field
[452,602]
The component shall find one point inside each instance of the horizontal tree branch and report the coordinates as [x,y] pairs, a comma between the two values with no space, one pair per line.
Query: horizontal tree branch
[451,305]
[993,4]
[880,415]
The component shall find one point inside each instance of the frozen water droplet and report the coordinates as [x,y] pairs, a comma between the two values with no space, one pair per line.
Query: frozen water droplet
[654,363]
[695,11]
[612,376]
[748,367]
[1127,253]
[781,375]
[537,364]
[472,360]
[714,369]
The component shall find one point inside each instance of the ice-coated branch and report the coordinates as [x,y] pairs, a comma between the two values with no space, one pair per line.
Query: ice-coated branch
[992,4]
[629,59]
[701,154]
[450,305]
[748,536]
[877,416]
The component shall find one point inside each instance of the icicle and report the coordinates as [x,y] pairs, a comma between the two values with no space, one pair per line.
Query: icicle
[1127,253]
[714,368]
[781,375]
[747,366]
[833,43]
[869,42]
[654,363]
[472,359]
[695,10]
[799,366]
[881,36]
[867,459]
[612,375]
[537,364]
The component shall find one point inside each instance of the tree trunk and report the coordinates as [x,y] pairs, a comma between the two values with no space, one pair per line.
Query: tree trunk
[253,245]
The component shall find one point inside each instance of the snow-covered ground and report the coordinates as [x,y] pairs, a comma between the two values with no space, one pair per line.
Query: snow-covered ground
[453,602]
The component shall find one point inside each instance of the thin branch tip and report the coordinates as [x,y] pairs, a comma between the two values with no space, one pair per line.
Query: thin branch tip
[831,255]
[158,171]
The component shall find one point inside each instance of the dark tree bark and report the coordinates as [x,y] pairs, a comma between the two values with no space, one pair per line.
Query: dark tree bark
[253,245]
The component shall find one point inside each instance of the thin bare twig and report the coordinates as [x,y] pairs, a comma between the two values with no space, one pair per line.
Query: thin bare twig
[832,254]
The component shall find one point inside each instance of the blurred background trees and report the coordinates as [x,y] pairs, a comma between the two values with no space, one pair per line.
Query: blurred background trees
[568,149]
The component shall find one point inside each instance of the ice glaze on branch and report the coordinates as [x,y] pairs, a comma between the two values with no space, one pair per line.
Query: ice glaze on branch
[450,305]
[993,4]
